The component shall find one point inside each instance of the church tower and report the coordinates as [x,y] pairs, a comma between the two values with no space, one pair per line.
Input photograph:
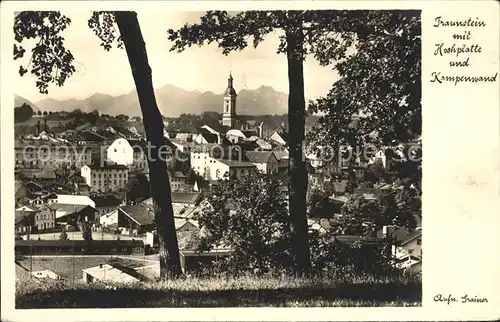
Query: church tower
[229,109]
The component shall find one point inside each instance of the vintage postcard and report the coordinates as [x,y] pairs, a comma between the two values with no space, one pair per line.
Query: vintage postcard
[281,161]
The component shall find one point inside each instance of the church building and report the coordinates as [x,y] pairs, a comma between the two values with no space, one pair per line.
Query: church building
[229,110]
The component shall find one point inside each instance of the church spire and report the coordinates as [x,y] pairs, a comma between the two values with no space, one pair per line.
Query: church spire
[229,109]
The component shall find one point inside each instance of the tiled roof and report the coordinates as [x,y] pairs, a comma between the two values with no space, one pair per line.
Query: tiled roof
[74,200]
[88,135]
[180,197]
[44,174]
[237,133]
[142,214]
[67,208]
[400,234]
[250,133]
[108,167]
[20,215]
[412,236]
[237,164]
[258,156]
[107,272]
[186,197]
[209,137]
[281,155]
[105,200]
[27,209]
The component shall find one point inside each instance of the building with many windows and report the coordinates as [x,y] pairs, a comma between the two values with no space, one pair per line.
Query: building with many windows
[58,154]
[105,178]
[45,218]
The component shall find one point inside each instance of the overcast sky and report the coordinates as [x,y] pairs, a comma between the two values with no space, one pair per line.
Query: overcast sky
[204,68]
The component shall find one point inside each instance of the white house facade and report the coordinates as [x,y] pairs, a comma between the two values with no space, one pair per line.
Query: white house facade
[120,152]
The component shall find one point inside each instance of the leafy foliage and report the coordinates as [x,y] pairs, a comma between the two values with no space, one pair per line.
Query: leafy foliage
[50,61]
[317,200]
[361,216]
[330,256]
[233,32]
[22,113]
[250,216]
[86,231]
[380,79]
[64,235]
[102,24]
[375,172]
[138,188]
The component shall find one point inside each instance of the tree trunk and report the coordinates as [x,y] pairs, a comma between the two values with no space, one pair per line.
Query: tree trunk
[297,171]
[153,126]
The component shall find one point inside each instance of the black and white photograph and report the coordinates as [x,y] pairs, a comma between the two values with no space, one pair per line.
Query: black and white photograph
[217,159]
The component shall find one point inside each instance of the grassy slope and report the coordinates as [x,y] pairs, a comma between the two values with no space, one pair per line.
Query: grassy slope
[215,292]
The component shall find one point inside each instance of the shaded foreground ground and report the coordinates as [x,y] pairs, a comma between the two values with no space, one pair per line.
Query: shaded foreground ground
[243,292]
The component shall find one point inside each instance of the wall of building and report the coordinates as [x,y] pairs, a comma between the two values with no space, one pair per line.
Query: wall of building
[45,219]
[120,152]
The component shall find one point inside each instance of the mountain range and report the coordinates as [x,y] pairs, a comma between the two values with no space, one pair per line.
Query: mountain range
[174,101]
[19,101]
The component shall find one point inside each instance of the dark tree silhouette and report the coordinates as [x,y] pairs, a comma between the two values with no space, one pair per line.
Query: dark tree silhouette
[380,79]
[304,32]
[86,231]
[52,63]
[22,113]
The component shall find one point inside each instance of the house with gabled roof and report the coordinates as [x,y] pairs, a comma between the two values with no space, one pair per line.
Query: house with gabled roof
[206,138]
[24,221]
[280,138]
[105,203]
[265,161]
[136,219]
[72,214]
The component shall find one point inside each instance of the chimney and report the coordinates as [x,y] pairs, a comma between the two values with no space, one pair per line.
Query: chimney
[261,130]
[100,265]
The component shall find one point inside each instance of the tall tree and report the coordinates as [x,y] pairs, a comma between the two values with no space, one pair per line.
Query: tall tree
[380,79]
[303,32]
[52,63]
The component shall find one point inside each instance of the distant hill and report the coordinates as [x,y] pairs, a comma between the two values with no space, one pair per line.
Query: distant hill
[174,101]
[19,101]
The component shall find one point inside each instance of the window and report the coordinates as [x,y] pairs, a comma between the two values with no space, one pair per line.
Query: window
[124,249]
[96,250]
[114,249]
[84,250]
[71,250]
[138,249]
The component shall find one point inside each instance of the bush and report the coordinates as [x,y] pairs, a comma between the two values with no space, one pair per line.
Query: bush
[249,216]
[63,235]
[87,231]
